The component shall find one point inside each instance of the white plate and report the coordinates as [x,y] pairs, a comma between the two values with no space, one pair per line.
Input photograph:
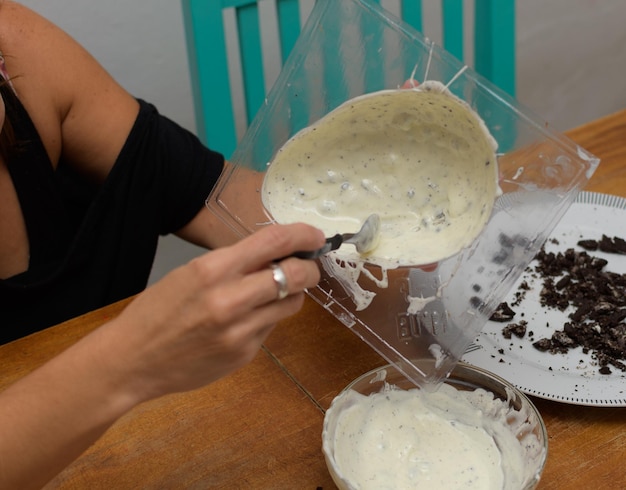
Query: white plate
[572,377]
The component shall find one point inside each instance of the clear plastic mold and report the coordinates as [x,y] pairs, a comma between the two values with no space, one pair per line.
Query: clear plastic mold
[425,319]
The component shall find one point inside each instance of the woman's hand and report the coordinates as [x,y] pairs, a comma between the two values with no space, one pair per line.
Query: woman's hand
[199,323]
[210,317]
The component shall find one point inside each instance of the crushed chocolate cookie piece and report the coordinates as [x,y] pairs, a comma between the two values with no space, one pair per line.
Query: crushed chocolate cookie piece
[589,245]
[543,345]
[613,245]
[582,311]
[562,339]
[551,297]
[559,343]
[520,294]
[576,279]
[503,313]
[563,282]
[517,329]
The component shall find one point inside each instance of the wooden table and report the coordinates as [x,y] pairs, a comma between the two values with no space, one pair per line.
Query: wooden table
[261,427]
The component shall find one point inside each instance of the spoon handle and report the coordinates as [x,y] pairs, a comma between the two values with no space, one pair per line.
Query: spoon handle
[332,243]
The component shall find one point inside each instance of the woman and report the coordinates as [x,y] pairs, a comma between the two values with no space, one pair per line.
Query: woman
[89,177]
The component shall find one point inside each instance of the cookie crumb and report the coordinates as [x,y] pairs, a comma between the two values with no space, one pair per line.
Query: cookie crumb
[577,279]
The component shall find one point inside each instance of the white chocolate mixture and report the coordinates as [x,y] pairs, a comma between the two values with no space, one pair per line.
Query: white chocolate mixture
[421,158]
[412,439]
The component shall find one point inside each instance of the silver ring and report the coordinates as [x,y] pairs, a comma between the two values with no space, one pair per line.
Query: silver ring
[281,281]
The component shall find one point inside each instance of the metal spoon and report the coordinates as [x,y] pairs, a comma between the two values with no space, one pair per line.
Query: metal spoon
[365,240]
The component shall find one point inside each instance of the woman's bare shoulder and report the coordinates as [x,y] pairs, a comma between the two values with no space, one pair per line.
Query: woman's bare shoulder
[27,38]
[71,98]
[37,51]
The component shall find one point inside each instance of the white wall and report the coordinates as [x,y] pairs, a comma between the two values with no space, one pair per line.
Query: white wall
[571,59]
[571,54]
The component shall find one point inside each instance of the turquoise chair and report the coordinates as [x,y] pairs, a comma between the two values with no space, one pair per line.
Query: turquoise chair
[494,53]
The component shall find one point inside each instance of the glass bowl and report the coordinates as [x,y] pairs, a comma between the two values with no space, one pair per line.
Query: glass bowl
[490,409]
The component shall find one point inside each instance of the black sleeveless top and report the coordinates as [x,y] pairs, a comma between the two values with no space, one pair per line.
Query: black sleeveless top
[91,245]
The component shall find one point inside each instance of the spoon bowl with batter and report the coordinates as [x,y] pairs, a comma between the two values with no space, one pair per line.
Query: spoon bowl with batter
[365,240]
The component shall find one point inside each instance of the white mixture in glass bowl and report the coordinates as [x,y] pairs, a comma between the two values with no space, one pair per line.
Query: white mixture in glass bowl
[381,432]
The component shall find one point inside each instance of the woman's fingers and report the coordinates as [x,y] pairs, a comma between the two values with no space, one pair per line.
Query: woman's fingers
[272,243]
[410,83]
[246,335]
[209,317]
[246,273]
[297,275]
[241,294]
[272,313]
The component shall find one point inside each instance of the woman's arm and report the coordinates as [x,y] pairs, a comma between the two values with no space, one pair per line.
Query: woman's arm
[82,114]
[206,229]
[201,322]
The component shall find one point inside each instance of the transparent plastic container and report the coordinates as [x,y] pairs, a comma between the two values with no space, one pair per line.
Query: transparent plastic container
[352,47]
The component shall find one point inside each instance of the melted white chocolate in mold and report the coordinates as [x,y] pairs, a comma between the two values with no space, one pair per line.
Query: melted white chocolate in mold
[421,158]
